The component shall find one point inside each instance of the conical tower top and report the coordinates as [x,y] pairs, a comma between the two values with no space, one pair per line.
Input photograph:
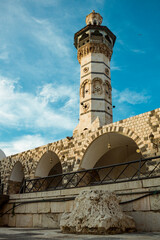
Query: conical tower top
[94,18]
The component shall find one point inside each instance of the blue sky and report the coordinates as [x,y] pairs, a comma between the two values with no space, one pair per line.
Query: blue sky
[40,74]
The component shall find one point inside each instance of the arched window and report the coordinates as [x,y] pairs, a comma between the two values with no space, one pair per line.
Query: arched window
[108,88]
[84,35]
[97,86]
[96,33]
[108,39]
[85,88]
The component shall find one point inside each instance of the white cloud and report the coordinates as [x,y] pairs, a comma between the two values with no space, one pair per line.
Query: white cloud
[130,97]
[138,51]
[42,33]
[114,67]
[48,93]
[50,36]
[25,110]
[22,143]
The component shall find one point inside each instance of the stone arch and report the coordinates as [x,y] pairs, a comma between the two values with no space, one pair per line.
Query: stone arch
[48,165]
[32,159]
[16,178]
[97,86]
[85,88]
[117,129]
[107,138]
[96,33]
[111,148]
[108,39]
[108,88]
[84,36]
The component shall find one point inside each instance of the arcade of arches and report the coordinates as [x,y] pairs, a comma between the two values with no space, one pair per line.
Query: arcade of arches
[107,149]
[48,165]
[111,144]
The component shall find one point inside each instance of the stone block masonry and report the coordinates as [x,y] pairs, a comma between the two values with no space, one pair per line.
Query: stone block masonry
[36,213]
[71,151]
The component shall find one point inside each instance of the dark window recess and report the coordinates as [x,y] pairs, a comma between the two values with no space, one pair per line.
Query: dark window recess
[85,35]
[108,39]
[96,33]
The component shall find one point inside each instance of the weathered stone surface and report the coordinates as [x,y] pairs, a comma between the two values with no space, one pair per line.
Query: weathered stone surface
[97,212]
[50,220]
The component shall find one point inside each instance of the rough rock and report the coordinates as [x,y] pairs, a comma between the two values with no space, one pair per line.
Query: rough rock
[96,212]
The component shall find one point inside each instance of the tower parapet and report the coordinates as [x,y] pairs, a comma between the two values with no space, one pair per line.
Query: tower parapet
[94,45]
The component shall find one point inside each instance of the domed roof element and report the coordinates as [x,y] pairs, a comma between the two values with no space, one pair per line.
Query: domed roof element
[94,18]
[2,155]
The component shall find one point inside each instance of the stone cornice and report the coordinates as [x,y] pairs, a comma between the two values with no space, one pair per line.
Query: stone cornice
[93,48]
[96,27]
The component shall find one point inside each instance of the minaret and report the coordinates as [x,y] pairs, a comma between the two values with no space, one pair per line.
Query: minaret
[94,44]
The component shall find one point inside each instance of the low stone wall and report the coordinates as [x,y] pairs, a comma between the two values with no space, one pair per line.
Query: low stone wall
[145,211]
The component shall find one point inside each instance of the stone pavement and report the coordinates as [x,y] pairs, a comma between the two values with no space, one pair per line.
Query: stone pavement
[55,234]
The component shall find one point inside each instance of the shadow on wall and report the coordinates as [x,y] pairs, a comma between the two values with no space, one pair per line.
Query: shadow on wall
[112,148]
[48,165]
[16,178]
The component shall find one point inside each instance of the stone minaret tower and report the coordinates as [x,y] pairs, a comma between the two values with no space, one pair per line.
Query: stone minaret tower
[94,44]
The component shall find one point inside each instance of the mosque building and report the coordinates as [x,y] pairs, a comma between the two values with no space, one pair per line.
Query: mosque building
[97,141]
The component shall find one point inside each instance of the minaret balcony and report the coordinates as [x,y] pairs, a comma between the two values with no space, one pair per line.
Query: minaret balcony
[94,39]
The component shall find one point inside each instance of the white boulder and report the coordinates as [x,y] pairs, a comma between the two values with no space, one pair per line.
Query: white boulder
[96,212]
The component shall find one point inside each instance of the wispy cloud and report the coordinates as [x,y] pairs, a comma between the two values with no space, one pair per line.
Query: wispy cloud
[138,51]
[22,143]
[131,97]
[4,53]
[115,67]
[100,1]
[52,37]
[20,109]
[127,102]
[32,42]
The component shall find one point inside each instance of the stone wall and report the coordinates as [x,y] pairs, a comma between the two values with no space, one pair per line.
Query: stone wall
[145,211]
[71,150]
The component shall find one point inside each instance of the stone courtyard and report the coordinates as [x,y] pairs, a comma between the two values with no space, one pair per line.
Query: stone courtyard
[41,234]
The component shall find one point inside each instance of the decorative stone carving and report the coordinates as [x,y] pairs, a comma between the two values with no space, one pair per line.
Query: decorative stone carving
[85,70]
[94,18]
[85,88]
[108,88]
[94,48]
[97,86]
[96,212]
[107,71]
[85,106]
